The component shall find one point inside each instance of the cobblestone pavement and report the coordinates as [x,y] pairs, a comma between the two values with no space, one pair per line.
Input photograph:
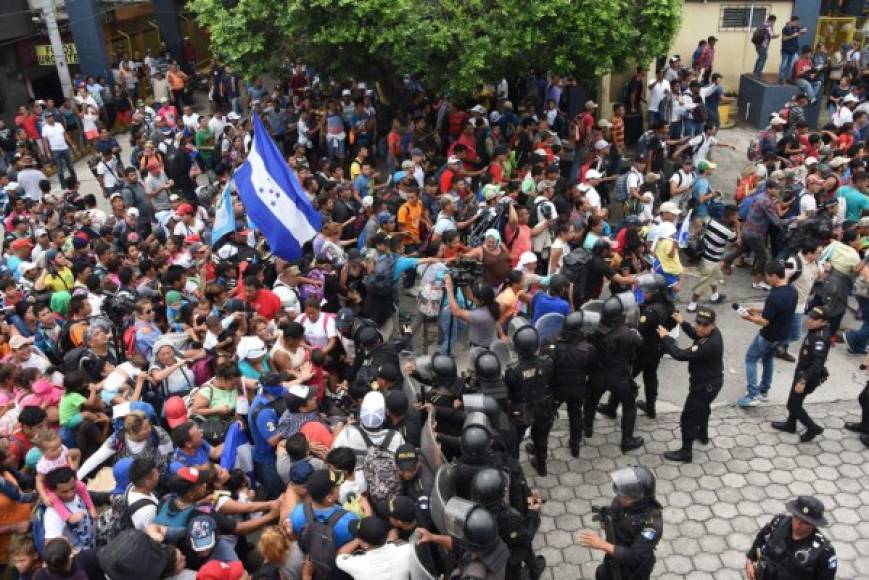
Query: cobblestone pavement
[714,507]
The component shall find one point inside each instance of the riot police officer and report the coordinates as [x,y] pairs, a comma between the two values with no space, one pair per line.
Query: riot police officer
[705,376]
[572,359]
[616,345]
[516,529]
[809,374]
[790,547]
[488,379]
[633,526]
[527,382]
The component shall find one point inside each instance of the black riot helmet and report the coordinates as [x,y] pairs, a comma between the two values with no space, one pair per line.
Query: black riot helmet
[481,530]
[487,366]
[654,287]
[443,368]
[475,441]
[572,326]
[488,486]
[527,341]
[636,482]
[613,311]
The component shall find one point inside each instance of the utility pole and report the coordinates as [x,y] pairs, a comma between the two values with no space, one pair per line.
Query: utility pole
[50,16]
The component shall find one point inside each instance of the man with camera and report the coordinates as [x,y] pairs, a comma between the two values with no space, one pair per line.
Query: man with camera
[790,547]
[633,524]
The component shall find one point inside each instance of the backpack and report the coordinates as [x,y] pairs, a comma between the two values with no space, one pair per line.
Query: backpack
[380,281]
[318,542]
[798,270]
[129,340]
[171,517]
[758,36]
[621,187]
[745,206]
[117,519]
[37,529]
[576,266]
[643,143]
[311,290]
[430,297]
[379,469]
[665,107]
[699,113]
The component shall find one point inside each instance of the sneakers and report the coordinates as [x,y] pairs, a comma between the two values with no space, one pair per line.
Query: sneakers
[761,286]
[747,401]
[785,356]
[856,427]
[692,307]
[719,299]
[763,396]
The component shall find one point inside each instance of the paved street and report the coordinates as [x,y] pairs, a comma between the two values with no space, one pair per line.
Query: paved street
[713,507]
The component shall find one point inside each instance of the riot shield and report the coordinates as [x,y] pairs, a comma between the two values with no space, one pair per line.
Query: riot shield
[549,325]
[411,389]
[504,351]
[631,308]
[422,566]
[442,491]
[428,444]
[515,324]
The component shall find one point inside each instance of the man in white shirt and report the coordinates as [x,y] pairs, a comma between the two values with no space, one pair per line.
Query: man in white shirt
[372,415]
[682,180]
[190,118]
[141,501]
[109,173]
[29,178]
[589,191]
[657,89]
[58,142]
[286,288]
[700,145]
[808,202]
[672,72]
[546,212]
[379,559]
[845,112]
[635,177]
[217,124]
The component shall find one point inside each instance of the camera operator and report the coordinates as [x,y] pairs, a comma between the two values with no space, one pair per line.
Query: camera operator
[483,328]
[633,524]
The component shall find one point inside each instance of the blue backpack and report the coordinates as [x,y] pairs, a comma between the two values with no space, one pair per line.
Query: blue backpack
[745,206]
[37,529]
[380,281]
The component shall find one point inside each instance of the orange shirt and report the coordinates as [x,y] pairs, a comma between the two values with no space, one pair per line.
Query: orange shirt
[176,80]
[409,217]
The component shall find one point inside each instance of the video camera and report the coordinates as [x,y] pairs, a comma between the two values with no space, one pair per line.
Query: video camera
[465,272]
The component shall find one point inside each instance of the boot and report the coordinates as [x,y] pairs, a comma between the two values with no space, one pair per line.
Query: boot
[647,407]
[680,455]
[530,449]
[856,427]
[536,569]
[864,439]
[784,426]
[607,411]
[588,431]
[631,443]
[538,464]
[703,436]
[574,447]
[811,433]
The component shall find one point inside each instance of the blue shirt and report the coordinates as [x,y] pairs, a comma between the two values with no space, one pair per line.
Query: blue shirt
[361,184]
[791,45]
[264,427]
[699,189]
[181,459]
[341,532]
[543,303]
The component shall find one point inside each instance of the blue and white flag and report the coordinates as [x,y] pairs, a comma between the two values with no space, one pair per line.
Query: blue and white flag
[224,217]
[684,231]
[274,199]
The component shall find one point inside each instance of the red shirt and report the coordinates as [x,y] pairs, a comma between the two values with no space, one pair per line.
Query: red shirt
[497,173]
[518,242]
[447,180]
[266,303]
[801,66]
[456,122]
[28,123]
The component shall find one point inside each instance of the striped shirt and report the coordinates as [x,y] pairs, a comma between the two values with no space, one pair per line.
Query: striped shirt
[715,239]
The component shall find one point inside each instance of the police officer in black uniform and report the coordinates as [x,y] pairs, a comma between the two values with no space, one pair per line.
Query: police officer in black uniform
[633,525]
[862,426]
[616,345]
[515,528]
[527,382]
[790,547]
[705,376]
[488,379]
[809,374]
[572,360]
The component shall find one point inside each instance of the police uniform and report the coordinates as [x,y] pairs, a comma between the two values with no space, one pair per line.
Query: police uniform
[527,381]
[616,350]
[778,556]
[652,315]
[705,376]
[811,372]
[638,529]
[572,360]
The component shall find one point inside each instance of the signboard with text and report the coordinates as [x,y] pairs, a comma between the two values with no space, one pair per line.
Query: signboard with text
[45,55]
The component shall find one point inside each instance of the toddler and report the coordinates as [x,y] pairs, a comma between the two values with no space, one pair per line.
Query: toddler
[54,455]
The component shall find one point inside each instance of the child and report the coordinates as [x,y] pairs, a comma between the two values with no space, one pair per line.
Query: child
[351,492]
[648,213]
[318,380]
[54,455]
[8,483]
[23,556]
[115,388]
[82,417]
[278,551]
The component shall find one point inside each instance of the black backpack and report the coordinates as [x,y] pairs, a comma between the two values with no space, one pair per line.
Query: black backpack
[758,36]
[318,542]
[125,521]
[576,266]
[380,281]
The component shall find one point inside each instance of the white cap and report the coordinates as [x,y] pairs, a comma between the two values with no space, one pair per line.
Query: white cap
[367,201]
[527,258]
[345,93]
[670,207]
[811,161]
[233,116]
[494,116]
[593,174]
[849,98]
[361,86]
[604,124]
[250,347]
[665,230]
[133,212]
[452,160]
[839,161]
[776,120]
[372,413]
[301,391]
[601,144]
[478,109]
[227,251]
[11,186]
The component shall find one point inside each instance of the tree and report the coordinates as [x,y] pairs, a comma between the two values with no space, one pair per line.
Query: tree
[448,45]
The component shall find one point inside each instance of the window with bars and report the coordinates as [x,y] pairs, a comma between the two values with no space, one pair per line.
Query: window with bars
[748,16]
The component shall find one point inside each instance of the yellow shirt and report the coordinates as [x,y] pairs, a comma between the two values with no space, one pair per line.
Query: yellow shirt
[672,266]
[61,281]
[355,169]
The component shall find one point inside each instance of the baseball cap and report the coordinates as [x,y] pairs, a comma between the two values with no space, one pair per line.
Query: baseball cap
[545,184]
[202,531]
[453,160]
[389,372]
[51,255]
[233,116]
[417,152]
[811,161]
[705,165]
[670,207]
[373,410]
[589,104]
[705,316]
[371,530]
[601,144]
[402,508]
[367,201]
[133,212]
[185,209]
[406,457]
[593,174]
[18,341]
[864,222]
[322,481]
[345,93]
[11,186]
[21,243]
[396,401]
[527,258]
[186,479]
[385,217]
[217,570]
[175,411]
[604,124]
[301,471]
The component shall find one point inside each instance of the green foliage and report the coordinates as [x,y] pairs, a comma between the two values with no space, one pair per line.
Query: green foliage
[450,45]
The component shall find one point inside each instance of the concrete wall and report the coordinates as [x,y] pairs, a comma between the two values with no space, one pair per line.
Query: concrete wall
[734,53]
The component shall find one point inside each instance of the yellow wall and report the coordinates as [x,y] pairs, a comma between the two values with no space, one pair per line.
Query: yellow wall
[734,53]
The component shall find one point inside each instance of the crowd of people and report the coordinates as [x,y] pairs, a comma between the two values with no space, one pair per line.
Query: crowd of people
[287,420]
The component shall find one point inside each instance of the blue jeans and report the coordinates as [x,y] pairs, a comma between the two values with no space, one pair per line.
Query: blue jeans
[654,117]
[444,323]
[676,129]
[762,52]
[786,70]
[806,87]
[60,159]
[760,350]
[858,339]
[796,329]
[714,120]
[266,473]
[692,127]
